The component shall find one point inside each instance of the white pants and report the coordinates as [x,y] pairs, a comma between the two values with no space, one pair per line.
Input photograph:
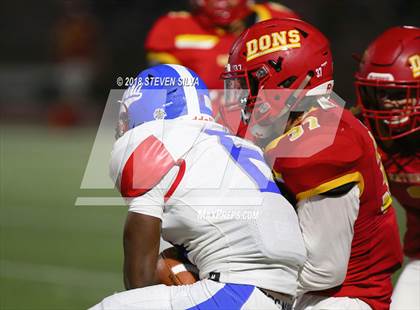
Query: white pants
[406,293]
[204,294]
[314,302]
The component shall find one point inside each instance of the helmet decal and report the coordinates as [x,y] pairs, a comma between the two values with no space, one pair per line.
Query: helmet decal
[415,65]
[273,42]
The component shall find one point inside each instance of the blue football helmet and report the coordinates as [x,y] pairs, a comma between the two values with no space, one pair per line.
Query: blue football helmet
[164,92]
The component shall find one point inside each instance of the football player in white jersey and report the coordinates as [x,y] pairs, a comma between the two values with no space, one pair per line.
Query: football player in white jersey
[185,177]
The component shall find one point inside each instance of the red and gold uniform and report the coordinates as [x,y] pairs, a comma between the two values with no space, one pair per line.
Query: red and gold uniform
[388,95]
[345,152]
[403,170]
[180,38]
[404,180]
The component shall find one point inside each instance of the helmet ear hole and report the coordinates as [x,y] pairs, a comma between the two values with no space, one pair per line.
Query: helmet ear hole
[276,65]
[310,74]
[287,82]
[303,33]
[253,84]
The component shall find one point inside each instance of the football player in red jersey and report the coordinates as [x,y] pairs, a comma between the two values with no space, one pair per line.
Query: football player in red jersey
[388,92]
[201,39]
[280,73]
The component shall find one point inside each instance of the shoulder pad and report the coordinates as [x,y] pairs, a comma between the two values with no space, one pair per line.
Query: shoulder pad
[278,7]
[179,14]
[313,155]
[145,167]
[145,154]
[140,159]
[270,10]
[161,36]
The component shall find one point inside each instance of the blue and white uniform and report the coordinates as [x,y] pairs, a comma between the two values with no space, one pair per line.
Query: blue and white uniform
[216,197]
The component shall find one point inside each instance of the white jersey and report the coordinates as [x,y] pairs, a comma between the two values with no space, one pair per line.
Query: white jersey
[216,198]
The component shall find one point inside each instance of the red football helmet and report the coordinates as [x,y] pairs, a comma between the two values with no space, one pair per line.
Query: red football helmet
[272,67]
[388,83]
[220,12]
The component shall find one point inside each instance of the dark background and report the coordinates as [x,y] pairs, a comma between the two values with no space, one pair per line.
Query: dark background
[27,26]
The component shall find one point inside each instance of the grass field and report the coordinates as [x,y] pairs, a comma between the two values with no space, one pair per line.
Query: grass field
[54,255]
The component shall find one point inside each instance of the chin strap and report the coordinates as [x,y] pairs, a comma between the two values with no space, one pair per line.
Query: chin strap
[291,101]
[246,111]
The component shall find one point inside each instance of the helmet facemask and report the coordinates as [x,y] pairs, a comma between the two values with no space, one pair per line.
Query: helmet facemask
[388,83]
[391,109]
[123,121]
[220,13]
[262,105]
[241,91]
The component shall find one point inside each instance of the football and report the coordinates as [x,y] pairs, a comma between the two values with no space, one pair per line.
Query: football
[173,268]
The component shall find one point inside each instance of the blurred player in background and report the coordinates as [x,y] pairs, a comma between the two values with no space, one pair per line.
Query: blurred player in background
[208,191]
[280,73]
[201,39]
[76,43]
[388,92]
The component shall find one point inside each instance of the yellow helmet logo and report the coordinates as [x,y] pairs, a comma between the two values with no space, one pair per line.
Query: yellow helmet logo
[272,42]
[415,65]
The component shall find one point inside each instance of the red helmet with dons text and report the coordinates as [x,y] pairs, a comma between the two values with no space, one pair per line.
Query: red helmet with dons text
[220,12]
[388,83]
[273,66]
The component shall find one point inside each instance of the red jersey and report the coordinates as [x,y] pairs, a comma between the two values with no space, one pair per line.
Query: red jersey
[330,148]
[179,38]
[404,180]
